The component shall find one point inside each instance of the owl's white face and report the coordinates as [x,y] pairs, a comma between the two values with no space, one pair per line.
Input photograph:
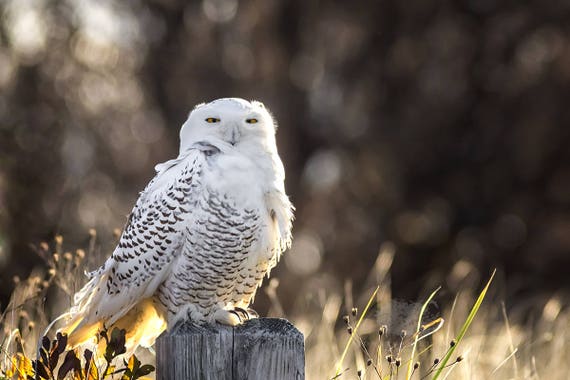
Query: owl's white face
[232,121]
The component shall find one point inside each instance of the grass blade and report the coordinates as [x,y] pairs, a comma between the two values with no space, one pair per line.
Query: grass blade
[339,364]
[465,326]
[417,334]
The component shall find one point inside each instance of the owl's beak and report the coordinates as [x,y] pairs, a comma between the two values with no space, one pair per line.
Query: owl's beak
[233,134]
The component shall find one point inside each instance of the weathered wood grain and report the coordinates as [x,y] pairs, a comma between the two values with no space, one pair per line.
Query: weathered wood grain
[260,349]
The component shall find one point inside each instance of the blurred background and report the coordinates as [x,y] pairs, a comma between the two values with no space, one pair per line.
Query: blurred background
[436,129]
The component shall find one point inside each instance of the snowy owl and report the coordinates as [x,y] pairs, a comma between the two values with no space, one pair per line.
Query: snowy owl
[202,235]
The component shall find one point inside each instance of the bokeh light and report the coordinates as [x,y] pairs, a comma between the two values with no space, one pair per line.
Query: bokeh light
[439,128]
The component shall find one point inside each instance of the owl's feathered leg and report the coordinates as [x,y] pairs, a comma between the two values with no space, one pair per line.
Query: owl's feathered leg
[219,314]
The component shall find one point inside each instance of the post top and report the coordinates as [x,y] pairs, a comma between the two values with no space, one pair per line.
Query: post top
[262,326]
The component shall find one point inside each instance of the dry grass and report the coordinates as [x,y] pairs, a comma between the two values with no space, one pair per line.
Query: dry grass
[529,342]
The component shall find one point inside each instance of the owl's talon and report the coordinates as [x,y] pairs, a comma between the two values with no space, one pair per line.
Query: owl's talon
[252,313]
[241,313]
[238,314]
[226,317]
[246,314]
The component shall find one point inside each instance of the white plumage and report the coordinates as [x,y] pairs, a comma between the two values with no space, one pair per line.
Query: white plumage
[202,235]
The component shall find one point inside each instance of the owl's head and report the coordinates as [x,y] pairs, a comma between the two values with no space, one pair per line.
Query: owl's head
[232,122]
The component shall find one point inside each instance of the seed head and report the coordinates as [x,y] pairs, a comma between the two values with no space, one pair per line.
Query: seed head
[349,330]
[354,311]
[398,362]
[452,343]
[346,319]
[403,334]
[359,373]
[436,361]
[389,358]
[416,365]
[459,358]
[369,362]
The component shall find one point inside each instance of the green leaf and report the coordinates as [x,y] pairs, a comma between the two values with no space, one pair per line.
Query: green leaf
[70,363]
[144,370]
[134,363]
[45,343]
[417,334]
[464,328]
[57,348]
[116,345]
[44,356]
[91,371]
[41,370]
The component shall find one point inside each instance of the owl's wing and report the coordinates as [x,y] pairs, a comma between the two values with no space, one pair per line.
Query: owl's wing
[149,244]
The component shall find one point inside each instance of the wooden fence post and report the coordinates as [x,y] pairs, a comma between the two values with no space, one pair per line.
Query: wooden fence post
[260,349]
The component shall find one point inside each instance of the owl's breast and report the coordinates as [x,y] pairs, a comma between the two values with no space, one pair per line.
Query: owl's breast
[238,177]
[244,182]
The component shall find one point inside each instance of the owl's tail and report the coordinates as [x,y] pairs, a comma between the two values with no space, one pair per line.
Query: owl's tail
[143,322]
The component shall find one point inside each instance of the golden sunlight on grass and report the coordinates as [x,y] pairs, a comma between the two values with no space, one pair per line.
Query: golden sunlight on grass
[371,336]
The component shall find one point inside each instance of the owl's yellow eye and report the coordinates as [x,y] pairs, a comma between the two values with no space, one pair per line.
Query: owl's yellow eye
[212,120]
[251,121]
